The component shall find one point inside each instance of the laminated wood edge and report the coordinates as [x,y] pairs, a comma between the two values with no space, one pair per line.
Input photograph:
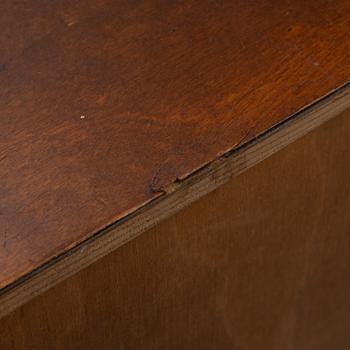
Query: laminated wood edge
[175,197]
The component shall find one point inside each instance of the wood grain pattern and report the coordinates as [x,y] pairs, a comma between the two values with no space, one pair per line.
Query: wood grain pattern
[178,196]
[257,264]
[105,103]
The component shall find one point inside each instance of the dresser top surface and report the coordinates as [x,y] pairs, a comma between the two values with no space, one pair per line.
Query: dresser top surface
[103,104]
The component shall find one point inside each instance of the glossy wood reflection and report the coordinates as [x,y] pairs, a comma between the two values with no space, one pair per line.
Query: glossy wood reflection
[261,263]
[105,103]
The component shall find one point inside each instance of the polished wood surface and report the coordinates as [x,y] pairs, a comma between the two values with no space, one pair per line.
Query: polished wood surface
[178,196]
[103,104]
[258,264]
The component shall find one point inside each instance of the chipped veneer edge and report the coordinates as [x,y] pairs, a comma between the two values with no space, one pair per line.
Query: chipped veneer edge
[176,197]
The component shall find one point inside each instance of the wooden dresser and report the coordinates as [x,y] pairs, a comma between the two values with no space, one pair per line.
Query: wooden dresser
[175,174]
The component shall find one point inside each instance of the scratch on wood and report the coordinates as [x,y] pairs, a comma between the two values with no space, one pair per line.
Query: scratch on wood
[155,186]
[3,157]
[4,244]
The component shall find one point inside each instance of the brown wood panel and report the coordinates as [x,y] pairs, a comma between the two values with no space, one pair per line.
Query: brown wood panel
[263,262]
[104,103]
[178,196]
